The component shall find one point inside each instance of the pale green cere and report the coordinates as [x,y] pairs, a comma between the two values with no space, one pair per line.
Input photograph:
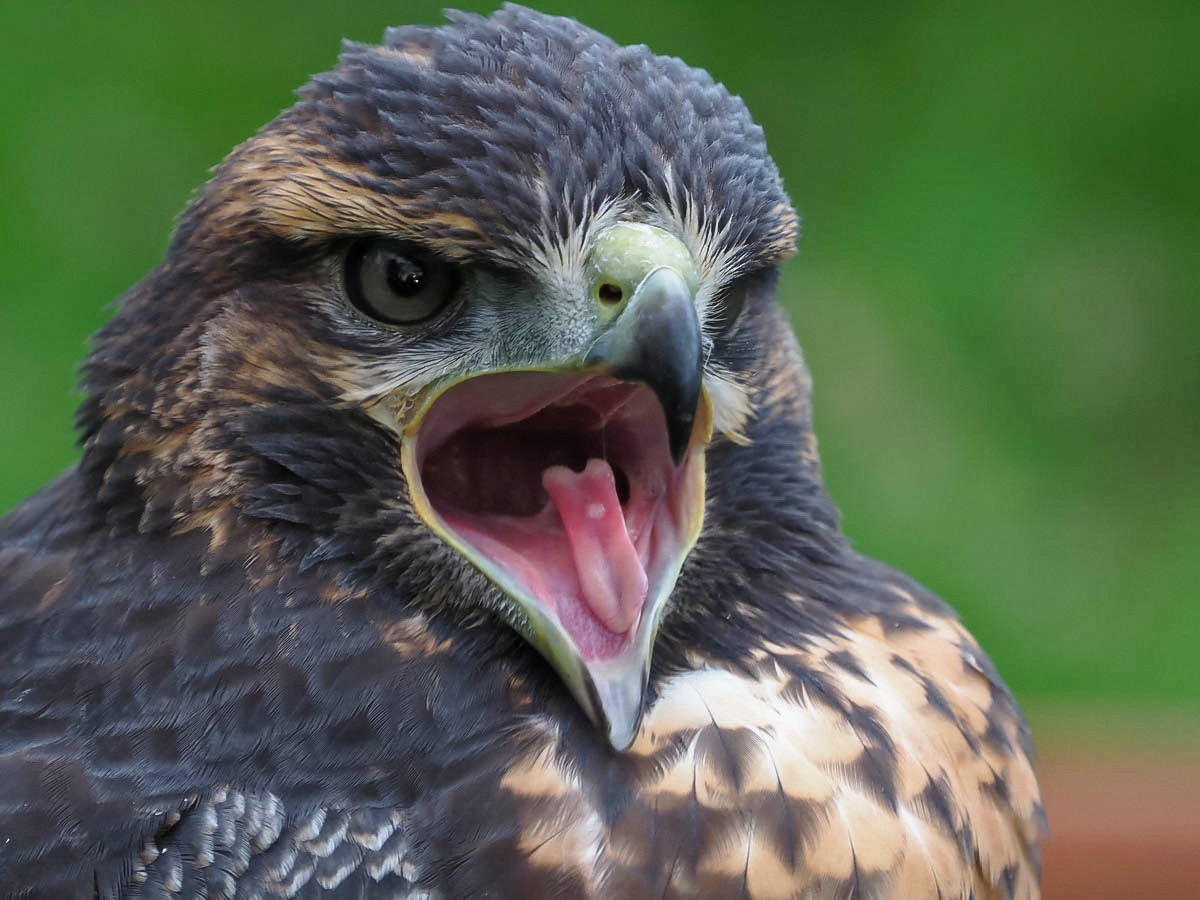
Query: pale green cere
[623,256]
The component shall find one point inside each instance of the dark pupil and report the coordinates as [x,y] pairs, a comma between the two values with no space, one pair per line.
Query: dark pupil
[405,276]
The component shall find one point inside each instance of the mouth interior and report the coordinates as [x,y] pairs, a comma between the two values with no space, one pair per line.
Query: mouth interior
[562,489]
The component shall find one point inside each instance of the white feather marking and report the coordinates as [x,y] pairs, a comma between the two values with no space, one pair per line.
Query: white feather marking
[731,406]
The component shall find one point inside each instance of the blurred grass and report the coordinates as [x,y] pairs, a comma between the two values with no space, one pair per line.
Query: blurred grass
[997,288]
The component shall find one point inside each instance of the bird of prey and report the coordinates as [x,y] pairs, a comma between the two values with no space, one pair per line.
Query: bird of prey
[449,523]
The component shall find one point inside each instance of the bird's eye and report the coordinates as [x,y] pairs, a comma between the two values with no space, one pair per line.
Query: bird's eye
[397,282]
[726,308]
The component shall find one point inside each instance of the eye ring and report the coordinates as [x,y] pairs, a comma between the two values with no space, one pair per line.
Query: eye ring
[398,283]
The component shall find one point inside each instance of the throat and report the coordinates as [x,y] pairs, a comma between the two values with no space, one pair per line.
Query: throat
[574,538]
[564,494]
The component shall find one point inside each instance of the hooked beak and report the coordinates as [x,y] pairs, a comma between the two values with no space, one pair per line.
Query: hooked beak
[656,340]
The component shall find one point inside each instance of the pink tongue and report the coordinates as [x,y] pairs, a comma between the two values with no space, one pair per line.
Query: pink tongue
[611,575]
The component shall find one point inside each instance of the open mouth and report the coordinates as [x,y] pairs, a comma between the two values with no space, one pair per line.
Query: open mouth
[561,489]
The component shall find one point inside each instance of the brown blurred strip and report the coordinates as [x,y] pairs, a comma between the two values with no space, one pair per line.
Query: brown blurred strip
[1122,824]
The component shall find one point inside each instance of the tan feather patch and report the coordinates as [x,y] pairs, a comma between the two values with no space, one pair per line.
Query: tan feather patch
[886,780]
[294,187]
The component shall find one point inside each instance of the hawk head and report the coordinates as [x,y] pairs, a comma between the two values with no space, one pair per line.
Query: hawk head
[488,314]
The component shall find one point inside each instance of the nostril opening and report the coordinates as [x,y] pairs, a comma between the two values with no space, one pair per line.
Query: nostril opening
[610,293]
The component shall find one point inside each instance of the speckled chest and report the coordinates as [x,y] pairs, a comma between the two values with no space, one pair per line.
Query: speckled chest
[884,763]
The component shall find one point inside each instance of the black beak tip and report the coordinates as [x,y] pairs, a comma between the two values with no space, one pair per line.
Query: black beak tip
[679,434]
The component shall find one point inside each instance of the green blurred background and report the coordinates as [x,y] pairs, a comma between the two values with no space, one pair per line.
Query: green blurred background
[998,291]
[997,287]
